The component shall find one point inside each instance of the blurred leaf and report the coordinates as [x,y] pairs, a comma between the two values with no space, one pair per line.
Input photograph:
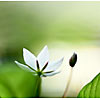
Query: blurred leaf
[92,89]
[15,82]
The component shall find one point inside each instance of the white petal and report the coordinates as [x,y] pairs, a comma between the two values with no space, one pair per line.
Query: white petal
[43,57]
[23,66]
[51,74]
[29,58]
[54,65]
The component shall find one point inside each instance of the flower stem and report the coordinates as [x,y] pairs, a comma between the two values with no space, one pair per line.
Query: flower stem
[69,80]
[37,88]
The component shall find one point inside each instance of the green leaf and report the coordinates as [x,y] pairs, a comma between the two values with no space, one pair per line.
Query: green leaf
[92,89]
[15,82]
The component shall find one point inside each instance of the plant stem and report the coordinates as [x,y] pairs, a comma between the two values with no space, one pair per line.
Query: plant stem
[69,80]
[37,87]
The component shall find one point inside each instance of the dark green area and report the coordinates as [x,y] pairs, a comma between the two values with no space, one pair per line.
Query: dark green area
[17,83]
[92,89]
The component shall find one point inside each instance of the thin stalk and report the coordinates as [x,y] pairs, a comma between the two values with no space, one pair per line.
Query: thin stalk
[67,86]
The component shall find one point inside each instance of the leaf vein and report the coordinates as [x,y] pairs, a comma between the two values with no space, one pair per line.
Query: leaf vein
[96,86]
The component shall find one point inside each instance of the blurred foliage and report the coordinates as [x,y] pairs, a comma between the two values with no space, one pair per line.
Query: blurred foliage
[92,89]
[34,24]
[15,82]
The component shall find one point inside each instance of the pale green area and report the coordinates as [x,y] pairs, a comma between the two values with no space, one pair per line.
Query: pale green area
[35,24]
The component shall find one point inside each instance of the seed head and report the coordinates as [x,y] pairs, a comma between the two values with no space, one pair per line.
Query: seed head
[73,60]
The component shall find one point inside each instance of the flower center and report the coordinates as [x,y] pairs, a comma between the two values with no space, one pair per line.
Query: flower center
[39,73]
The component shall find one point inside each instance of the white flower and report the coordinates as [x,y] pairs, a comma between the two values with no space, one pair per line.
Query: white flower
[40,65]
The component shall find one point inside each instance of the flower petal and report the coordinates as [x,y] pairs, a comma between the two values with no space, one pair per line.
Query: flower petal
[29,58]
[43,57]
[51,74]
[54,65]
[23,66]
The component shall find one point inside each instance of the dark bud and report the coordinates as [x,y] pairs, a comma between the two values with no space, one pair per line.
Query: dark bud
[73,60]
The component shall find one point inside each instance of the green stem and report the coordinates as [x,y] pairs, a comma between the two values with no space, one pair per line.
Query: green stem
[38,87]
